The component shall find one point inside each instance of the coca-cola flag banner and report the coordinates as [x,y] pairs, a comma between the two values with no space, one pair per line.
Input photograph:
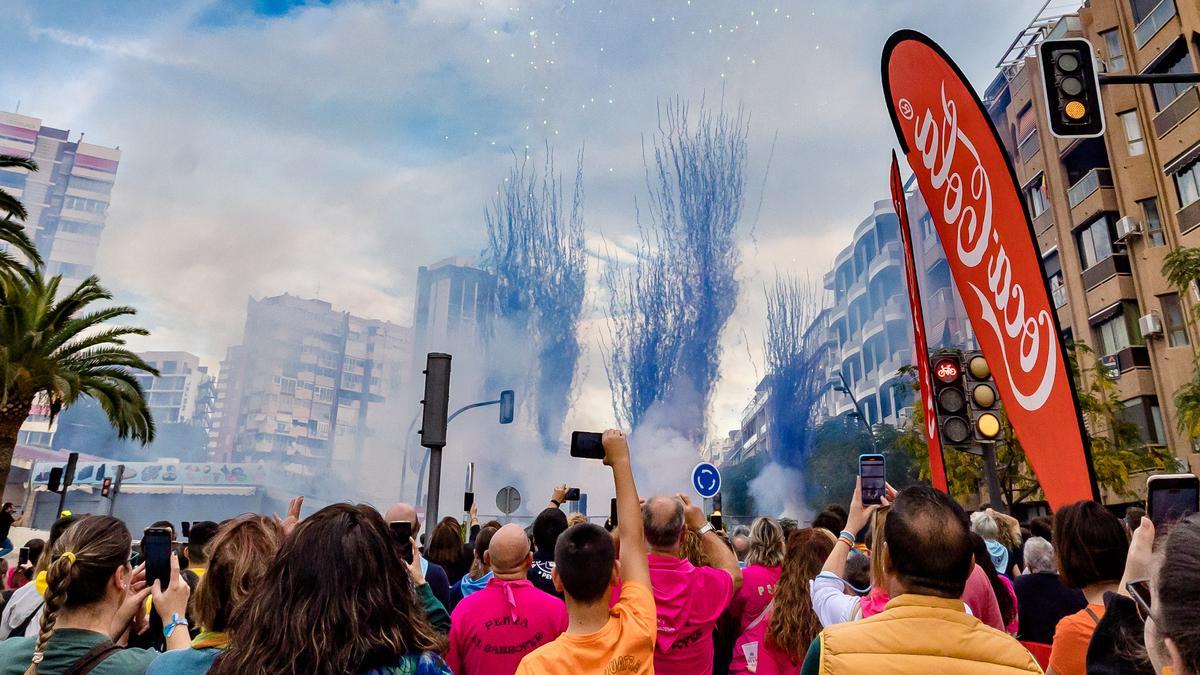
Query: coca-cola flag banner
[971,189]
[937,467]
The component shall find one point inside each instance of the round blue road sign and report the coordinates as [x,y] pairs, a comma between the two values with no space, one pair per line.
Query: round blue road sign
[706,480]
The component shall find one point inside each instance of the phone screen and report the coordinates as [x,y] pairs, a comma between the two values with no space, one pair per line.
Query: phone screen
[715,519]
[572,495]
[156,547]
[612,511]
[1172,498]
[587,444]
[468,500]
[185,528]
[402,531]
[871,468]
[23,556]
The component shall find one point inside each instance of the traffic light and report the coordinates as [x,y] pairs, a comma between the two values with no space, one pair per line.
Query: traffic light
[54,483]
[436,404]
[950,398]
[1071,84]
[69,474]
[106,487]
[507,406]
[982,402]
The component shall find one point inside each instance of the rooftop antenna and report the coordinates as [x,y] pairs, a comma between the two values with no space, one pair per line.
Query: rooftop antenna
[18,110]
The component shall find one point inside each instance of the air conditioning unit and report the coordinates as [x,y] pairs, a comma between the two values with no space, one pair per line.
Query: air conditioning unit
[1150,324]
[1127,226]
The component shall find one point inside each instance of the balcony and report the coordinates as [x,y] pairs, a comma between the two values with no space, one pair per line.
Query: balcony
[1154,21]
[1188,216]
[857,289]
[1030,147]
[873,325]
[889,255]
[1104,270]
[1176,111]
[1091,182]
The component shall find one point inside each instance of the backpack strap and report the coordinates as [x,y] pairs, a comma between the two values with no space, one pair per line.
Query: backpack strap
[94,657]
[19,631]
[1092,614]
[762,615]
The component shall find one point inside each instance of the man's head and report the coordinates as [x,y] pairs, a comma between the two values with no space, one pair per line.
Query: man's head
[662,521]
[585,563]
[547,527]
[8,507]
[828,520]
[1042,526]
[928,547]
[201,532]
[402,511]
[165,524]
[508,553]
[741,546]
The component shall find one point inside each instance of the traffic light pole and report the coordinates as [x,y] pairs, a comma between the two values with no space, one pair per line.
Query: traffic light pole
[995,495]
[858,409]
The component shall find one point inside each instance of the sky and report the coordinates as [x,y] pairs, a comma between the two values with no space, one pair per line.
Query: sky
[330,148]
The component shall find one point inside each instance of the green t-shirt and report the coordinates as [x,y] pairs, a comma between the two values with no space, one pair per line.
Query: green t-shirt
[65,647]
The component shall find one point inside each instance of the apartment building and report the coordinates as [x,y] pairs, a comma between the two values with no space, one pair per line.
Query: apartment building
[183,390]
[1107,210]
[67,198]
[308,385]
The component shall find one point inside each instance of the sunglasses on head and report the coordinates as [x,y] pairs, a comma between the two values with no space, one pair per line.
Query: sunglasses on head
[1140,592]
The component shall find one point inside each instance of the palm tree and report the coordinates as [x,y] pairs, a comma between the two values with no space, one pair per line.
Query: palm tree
[12,232]
[54,350]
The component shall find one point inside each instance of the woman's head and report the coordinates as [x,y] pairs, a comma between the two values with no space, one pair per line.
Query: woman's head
[793,622]
[238,558]
[878,568]
[445,543]
[576,518]
[1008,609]
[984,525]
[1008,530]
[1091,544]
[1173,633]
[766,543]
[88,565]
[337,598]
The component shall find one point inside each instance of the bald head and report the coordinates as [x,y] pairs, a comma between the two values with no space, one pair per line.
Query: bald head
[508,554]
[402,511]
[662,520]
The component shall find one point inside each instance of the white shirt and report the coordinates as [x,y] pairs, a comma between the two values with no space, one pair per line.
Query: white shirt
[24,602]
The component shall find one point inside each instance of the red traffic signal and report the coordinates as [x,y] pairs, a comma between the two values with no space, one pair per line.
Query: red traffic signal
[946,370]
[106,487]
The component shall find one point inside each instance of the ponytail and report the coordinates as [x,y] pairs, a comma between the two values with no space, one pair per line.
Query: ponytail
[58,580]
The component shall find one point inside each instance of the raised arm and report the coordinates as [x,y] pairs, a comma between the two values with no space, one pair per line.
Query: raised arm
[634,566]
[715,550]
[557,497]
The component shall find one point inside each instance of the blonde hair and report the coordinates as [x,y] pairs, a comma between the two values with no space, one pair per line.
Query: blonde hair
[766,543]
[576,518]
[238,558]
[878,521]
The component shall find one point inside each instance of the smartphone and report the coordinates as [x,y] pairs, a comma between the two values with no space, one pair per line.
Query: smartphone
[468,500]
[23,556]
[156,547]
[572,495]
[587,445]
[402,531]
[715,519]
[612,511]
[185,526]
[1171,497]
[871,469]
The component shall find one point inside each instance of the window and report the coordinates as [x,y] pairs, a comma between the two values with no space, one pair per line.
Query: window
[324,394]
[1035,194]
[97,186]
[1173,323]
[1117,330]
[1175,61]
[86,205]
[1133,132]
[76,227]
[1154,230]
[1094,241]
[287,386]
[928,234]
[1144,412]
[1116,53]
[1187,183]
[1052,267]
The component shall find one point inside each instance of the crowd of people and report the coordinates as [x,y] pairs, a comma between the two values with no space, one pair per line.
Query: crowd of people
[912,585]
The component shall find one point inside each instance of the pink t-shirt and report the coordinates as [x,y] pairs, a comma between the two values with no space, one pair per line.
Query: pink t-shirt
[758,588]
[980,597]
[688,601]
[492,629]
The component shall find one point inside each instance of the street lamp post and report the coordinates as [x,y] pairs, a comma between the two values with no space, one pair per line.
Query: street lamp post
[844,387]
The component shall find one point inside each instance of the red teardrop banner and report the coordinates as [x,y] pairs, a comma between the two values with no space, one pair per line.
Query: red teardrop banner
[971,189]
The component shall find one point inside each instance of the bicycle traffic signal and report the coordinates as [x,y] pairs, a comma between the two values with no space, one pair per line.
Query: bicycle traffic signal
[950,398]
[1071,84]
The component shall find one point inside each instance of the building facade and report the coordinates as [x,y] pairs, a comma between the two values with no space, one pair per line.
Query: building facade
[67,198]
[1107,210]
[454,305]
[308,385]
[183,391]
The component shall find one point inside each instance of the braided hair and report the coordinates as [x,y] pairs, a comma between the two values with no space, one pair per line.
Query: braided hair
[79,568]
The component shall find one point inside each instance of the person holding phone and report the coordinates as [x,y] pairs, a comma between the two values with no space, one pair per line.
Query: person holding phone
[599,637]
[433,573]
[547,527]
[93,598]
[22,613]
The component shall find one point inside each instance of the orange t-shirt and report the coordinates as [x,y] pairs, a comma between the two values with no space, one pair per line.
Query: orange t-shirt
[624,645]
[1068,654]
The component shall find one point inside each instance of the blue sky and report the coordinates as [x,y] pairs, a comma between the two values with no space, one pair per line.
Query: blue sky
[276,146]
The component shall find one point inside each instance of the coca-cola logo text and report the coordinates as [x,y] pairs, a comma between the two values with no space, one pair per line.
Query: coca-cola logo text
[1026,343]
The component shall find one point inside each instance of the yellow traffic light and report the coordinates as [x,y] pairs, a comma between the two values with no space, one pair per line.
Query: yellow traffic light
[988,425]
[983,396]
[1075,110]
[979,368]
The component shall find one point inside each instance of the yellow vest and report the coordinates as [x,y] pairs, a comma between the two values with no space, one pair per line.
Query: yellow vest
[922,634]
